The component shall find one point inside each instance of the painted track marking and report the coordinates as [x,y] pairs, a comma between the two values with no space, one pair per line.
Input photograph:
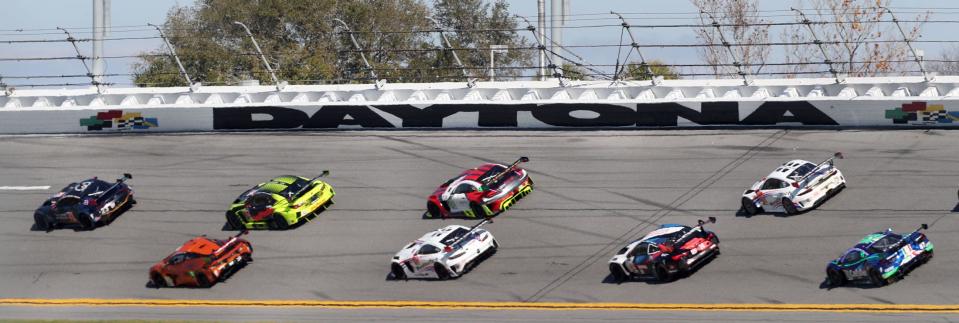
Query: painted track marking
[514,306]
[24,188]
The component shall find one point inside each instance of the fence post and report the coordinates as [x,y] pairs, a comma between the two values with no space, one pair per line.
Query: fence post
[732,54]
[279,86]
[470,82]
[176,58]
[556,73]
[915,55]
[93,78]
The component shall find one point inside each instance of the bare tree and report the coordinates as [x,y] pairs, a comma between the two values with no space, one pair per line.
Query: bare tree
[948,62]
[738,20]
[858,36]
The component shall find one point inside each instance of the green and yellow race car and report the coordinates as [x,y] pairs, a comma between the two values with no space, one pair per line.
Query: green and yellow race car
[280,203]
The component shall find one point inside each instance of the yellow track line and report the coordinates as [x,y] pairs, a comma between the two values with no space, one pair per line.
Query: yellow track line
[447,305]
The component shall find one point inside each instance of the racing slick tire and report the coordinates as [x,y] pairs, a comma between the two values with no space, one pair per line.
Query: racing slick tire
[715,241]
[496,245]
[41,220]
[202,281]
[441,272]
[432,211]
[835,278]
[86,221]
[788,207]
[279,222]
[749,207]
[234,221]
[875,277]
[397,271]
[660,273]
[617,273]
[158,281]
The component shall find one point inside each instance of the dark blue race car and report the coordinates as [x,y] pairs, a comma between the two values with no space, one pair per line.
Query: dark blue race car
[85,204]
[879,257]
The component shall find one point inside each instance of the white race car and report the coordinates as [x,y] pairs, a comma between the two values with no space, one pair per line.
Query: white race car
[794,187]
[445,253]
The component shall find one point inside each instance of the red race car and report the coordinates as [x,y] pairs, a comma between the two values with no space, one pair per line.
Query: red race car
[483,191]
[201,262]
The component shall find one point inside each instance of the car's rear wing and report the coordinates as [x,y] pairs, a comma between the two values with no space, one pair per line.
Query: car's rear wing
[230,242]
[699,224]
[303,189]
[449,247]
[497,177]
[829,161]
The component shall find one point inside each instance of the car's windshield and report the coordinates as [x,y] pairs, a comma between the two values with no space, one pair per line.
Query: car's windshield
[851,257]
[261,199]
[464,188]
[181,257]
[428,249]
[773,184]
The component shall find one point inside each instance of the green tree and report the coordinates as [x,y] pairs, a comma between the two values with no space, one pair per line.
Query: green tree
[638,71]
[305,45]
[573,72]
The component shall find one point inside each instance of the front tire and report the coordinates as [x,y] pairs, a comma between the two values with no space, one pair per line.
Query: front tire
[432,210]
[234,221]
[202,281]
[788,207]
[41,220]
[749,207]
[397,271]
[835,278]
[158,281]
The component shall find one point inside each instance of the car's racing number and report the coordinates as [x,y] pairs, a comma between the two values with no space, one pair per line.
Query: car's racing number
[80,187]
[107,207]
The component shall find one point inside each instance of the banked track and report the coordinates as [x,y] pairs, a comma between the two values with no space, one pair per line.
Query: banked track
[595,191]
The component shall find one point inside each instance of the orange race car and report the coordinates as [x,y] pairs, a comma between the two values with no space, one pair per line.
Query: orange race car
[202,262]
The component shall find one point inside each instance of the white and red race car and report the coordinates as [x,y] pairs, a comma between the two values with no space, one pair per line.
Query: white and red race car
[794,187]
[445,253]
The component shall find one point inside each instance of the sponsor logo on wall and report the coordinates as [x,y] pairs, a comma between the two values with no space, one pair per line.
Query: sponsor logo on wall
[566,115]
[921,113]
[117,120]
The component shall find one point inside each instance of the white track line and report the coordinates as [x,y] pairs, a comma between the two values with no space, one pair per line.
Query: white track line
[24,188]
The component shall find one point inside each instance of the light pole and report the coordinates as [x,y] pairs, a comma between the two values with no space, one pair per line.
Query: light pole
[494,49]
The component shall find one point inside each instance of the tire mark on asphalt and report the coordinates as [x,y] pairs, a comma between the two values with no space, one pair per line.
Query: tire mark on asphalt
[680,200]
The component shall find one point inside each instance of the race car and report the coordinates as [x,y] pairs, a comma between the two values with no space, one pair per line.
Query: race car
[663,254]
[280,203]
[794,187]
[484,191]
[85,205]
[879,257]
[202,262]
[445,253]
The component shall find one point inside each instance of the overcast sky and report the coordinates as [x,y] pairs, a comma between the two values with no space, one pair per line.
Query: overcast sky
[77,14]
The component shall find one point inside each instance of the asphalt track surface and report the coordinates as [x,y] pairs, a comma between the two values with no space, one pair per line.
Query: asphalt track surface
[595,190]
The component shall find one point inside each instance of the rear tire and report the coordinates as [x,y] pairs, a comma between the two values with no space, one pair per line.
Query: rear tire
[835,278]
[660,272]
[441,272]
[234,221]
[788,207]
[86,221]
[279,222]
[749,207]
[876,278]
